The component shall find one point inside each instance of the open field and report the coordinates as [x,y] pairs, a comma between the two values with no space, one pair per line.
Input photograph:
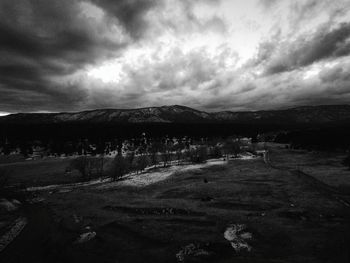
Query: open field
[40,172]
[188,216]
[324,166]
[43,172]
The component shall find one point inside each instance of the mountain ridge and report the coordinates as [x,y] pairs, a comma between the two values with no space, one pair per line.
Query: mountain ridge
[184,114]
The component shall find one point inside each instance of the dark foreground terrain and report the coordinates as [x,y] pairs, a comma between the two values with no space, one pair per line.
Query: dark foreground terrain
[293,208]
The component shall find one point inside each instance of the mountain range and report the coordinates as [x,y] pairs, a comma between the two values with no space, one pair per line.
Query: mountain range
[181,114]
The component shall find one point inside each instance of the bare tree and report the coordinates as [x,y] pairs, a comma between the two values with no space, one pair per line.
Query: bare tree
[154,149]
[142,162]
[165,156]
[232,146]
[130,157]
[120,167]
[178,148]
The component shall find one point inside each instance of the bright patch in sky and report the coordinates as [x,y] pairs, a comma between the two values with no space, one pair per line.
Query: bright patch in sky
[62,55]
[236,27]
[312,72]
[107,72]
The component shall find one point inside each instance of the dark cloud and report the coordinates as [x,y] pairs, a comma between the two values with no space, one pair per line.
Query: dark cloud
[324,44]
[188,55]
[247,87]
[338,73]
[130,13]
[268,3]
[43,39]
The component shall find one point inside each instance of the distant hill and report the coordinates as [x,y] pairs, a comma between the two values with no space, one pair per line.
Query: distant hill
[181,114]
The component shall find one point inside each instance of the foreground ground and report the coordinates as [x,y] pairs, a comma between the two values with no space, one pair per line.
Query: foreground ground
[291,209]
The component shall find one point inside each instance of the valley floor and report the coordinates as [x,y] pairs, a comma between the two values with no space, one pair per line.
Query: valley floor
[240,211]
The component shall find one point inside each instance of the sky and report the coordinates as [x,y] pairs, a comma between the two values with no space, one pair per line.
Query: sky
[212,55]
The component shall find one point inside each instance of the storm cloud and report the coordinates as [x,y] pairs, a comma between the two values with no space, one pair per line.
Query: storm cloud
[70,55]
[306,50]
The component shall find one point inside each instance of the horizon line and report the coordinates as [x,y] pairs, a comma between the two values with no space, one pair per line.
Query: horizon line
[4,113]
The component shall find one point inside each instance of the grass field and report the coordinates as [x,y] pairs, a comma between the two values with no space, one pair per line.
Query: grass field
[43,172]
[326,167]
[184,217]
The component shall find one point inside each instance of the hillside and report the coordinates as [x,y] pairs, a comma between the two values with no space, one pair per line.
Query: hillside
[182,114]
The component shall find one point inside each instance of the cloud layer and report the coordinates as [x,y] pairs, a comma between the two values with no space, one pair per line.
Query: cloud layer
[67,55]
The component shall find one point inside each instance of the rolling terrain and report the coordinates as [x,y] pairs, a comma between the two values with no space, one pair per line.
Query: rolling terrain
[186,216]
[181,114]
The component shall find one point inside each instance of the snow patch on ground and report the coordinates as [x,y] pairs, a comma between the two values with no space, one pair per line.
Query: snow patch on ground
[131,179]
[9,205]
[193,253]
[85,237]
[68,187]
[238,236]
[247,156]
[148,178]
[14,231]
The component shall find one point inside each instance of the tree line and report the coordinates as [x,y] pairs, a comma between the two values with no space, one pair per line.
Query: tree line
[156,154]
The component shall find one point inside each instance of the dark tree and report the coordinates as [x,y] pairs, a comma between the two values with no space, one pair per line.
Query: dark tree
[199,155]
[154,149]
[232,146]
[216,152]
[165,155]
[178,148]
